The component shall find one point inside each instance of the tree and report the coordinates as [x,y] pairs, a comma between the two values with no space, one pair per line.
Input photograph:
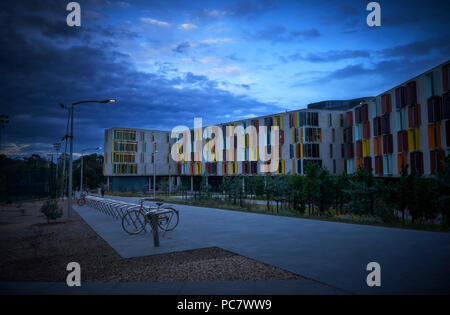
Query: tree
[362,190]
[443,191]
[92,171]
[312,184]
[297,193]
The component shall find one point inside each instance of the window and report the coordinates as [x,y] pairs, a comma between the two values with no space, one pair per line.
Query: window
[434,107]
[434,136]
[402,141]
[432,84]
[377,145]
[124,146]
[436,161]
[333,135]
[313,135]
[366,129]
[400,97]
[366,147]
[124,168]
[413,139]
[358,132]
[331,150]
[378,165]
[280,169]
[402,161]
[367,163]
[385,104]
[350,166]
[385,124]
[125,134]
[401,117]
[119,157]
[411,95]
[416,159]
[388,146]
[387,164]
[330,120]
[224,168]
[445,78]
[414,116]
[311,150]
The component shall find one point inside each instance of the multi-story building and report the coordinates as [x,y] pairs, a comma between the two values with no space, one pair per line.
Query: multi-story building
[408,124]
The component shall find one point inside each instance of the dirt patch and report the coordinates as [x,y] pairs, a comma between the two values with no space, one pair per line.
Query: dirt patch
[33,250]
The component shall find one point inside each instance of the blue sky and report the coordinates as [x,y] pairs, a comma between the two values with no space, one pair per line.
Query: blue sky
[167,62]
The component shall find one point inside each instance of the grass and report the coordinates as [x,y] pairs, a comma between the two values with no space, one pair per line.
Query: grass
[262,209]
[331,216]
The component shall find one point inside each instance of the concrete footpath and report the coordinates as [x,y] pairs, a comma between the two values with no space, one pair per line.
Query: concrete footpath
[337,254]
[285,287]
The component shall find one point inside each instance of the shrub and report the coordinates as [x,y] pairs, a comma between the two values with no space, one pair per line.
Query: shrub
[51,210]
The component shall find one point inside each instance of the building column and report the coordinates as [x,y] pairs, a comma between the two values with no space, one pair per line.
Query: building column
[107,183]
[192,184]
[149,183]
[243,184]
[178,181]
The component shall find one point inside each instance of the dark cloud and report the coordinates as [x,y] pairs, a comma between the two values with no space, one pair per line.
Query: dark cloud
[41,69]
[251,8]
[440,45]
[329,56]
[278,33]
[398,20]
[182,48]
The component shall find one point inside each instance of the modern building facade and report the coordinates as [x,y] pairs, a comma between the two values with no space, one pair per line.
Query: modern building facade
[408,124]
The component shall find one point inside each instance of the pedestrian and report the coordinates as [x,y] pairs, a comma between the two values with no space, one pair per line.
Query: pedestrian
[103,192]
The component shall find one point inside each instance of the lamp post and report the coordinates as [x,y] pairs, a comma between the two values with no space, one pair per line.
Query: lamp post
[57,146]
[4,120]
[154,173]
[69,197]
[81,176]
[65,152]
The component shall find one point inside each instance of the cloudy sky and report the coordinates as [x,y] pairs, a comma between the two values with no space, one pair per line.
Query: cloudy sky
[167,62]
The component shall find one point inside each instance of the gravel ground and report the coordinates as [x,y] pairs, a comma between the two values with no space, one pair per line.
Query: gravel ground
[33,250]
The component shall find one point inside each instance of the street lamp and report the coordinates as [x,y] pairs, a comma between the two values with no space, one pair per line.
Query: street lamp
[69,197]
[82,151]
[154,174]
[57,146]
[4,120]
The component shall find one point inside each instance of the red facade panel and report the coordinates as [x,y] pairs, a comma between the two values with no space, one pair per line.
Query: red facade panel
[385,104]
[359,150]
[445,78]
[411,94]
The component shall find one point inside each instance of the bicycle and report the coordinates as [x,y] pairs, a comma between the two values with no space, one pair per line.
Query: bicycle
[135,221]
[82,200]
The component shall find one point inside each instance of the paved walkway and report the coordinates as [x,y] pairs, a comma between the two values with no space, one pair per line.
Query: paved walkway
[412,262]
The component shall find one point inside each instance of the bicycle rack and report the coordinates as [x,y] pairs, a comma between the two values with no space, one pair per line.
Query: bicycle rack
[114,208]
